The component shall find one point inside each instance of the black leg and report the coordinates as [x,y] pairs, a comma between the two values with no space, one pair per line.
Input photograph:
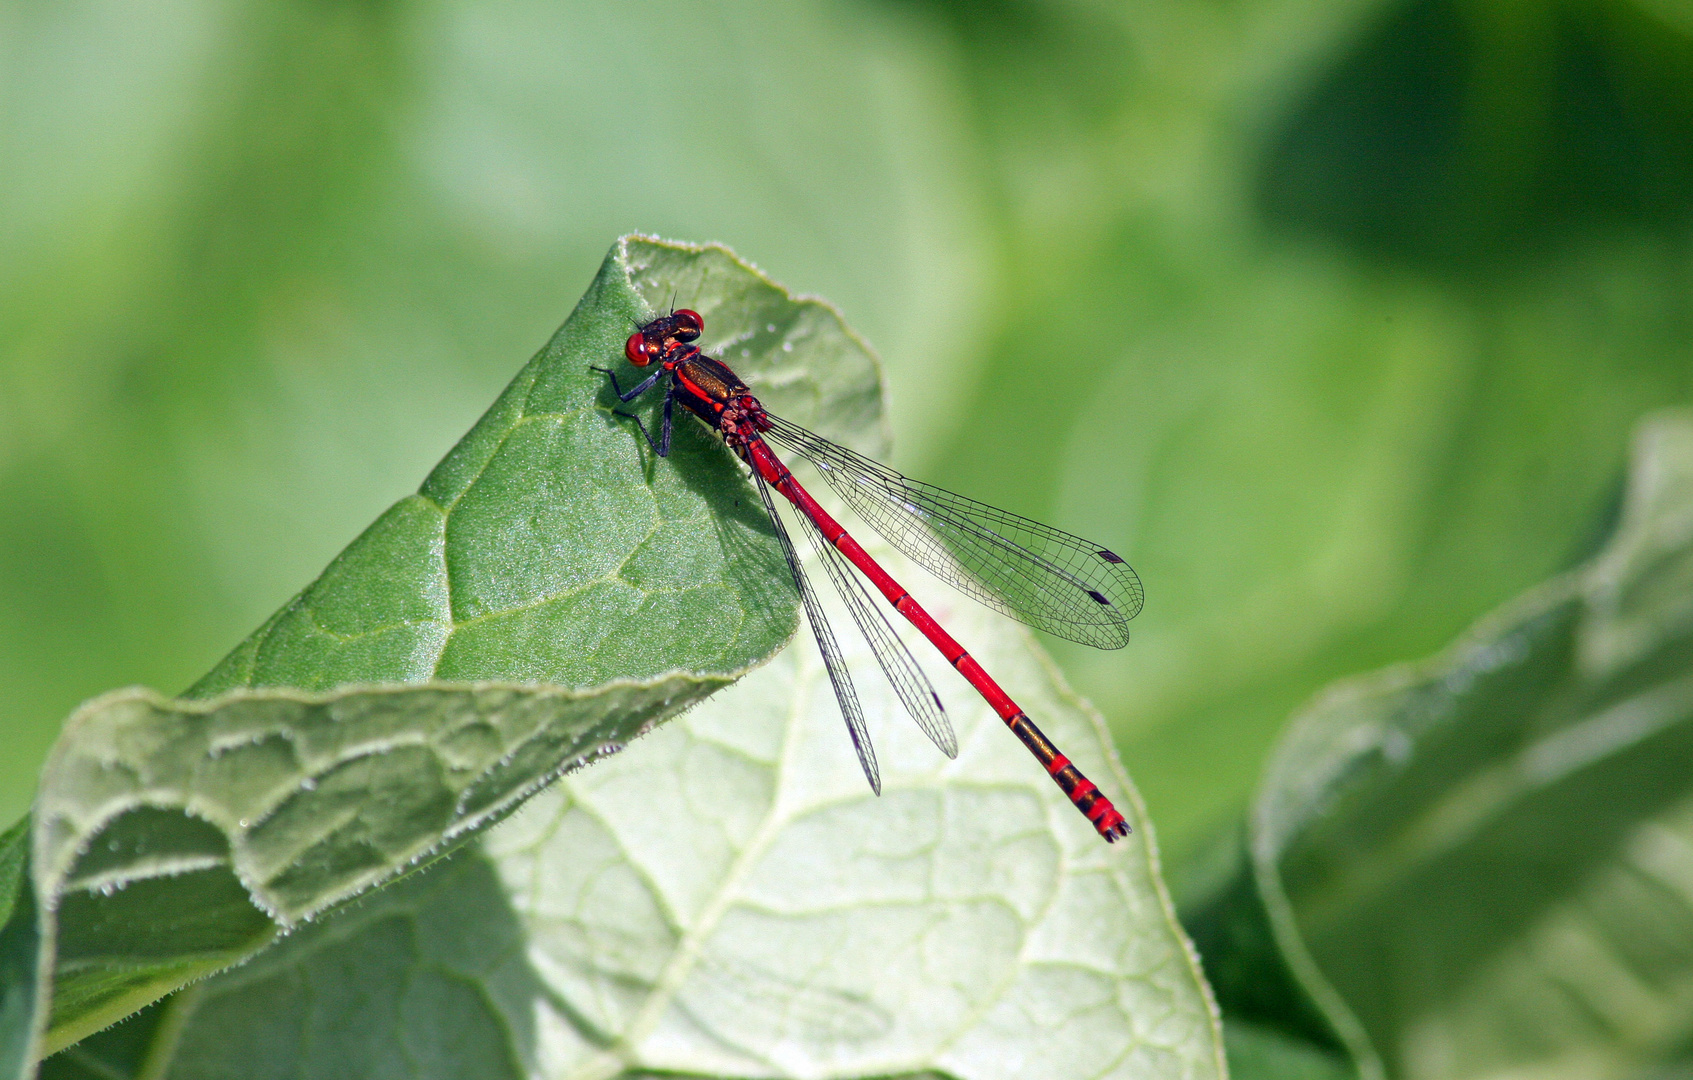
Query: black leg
[632,394]
[660,446]
[669,403]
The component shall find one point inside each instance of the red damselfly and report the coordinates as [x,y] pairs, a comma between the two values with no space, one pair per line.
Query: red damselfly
[1046,578]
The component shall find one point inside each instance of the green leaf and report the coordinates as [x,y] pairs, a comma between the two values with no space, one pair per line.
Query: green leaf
[179,837]
[1483,865]
[549,549]
[545,547]
[20,953]
[728,899]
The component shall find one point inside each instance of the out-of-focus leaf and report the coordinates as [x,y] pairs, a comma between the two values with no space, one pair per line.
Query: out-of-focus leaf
[1261,1053]
[549,548]
[1516,130]
[1321,457]
[1482,866]
[1266,1005]
[728,899]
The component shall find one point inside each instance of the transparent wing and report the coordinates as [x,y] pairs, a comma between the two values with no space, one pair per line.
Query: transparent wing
[1034,573]
[896,661]
[833,662]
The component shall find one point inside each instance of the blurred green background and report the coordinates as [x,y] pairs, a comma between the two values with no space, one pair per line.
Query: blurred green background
[1332,315]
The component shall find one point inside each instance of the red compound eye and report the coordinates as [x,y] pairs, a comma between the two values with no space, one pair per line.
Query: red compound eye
[636,349]
[689,323]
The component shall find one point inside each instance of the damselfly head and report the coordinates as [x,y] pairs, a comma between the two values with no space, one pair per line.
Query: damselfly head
[655,340]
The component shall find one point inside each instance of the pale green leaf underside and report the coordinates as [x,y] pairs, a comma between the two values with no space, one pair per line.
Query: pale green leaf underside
[729,899]
[549,548]
[1483,866]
